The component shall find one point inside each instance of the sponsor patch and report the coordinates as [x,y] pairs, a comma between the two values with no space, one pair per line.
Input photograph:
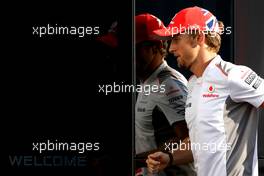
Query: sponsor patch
[250,78]
[210,94]
[173,99]
[257,83]
[211,89]
[141,109]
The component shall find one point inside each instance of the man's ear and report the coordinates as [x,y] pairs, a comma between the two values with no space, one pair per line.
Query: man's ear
[199,39]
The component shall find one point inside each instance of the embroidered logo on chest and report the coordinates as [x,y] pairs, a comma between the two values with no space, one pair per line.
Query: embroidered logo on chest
[210,92]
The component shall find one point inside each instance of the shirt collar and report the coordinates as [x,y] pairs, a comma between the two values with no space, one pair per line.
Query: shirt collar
[214,61]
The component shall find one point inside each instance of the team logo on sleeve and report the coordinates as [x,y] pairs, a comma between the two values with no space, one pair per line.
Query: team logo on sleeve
[250,78]
[211,92]
[257,83]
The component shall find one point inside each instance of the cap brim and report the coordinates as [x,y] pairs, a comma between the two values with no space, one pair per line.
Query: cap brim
[164,34]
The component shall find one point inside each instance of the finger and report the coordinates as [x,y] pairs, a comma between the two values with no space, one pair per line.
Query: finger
[155,156]
[147,161]
[153,162]
[150,165]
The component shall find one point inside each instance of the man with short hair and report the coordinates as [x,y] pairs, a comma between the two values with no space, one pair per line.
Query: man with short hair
[159,114]
[222,102]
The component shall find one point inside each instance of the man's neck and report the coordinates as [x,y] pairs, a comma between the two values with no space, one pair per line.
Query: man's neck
[201,63]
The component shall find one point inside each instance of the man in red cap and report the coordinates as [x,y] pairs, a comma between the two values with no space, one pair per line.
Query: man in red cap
[159,114]
[222,102]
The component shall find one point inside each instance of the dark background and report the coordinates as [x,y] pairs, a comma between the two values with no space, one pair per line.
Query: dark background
[52,85]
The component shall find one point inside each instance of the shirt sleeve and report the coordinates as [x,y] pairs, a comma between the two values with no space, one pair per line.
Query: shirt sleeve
[172,100]
[246,86]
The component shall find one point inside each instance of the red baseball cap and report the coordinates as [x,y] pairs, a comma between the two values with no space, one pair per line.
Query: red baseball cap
[189,19]
[146,24]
